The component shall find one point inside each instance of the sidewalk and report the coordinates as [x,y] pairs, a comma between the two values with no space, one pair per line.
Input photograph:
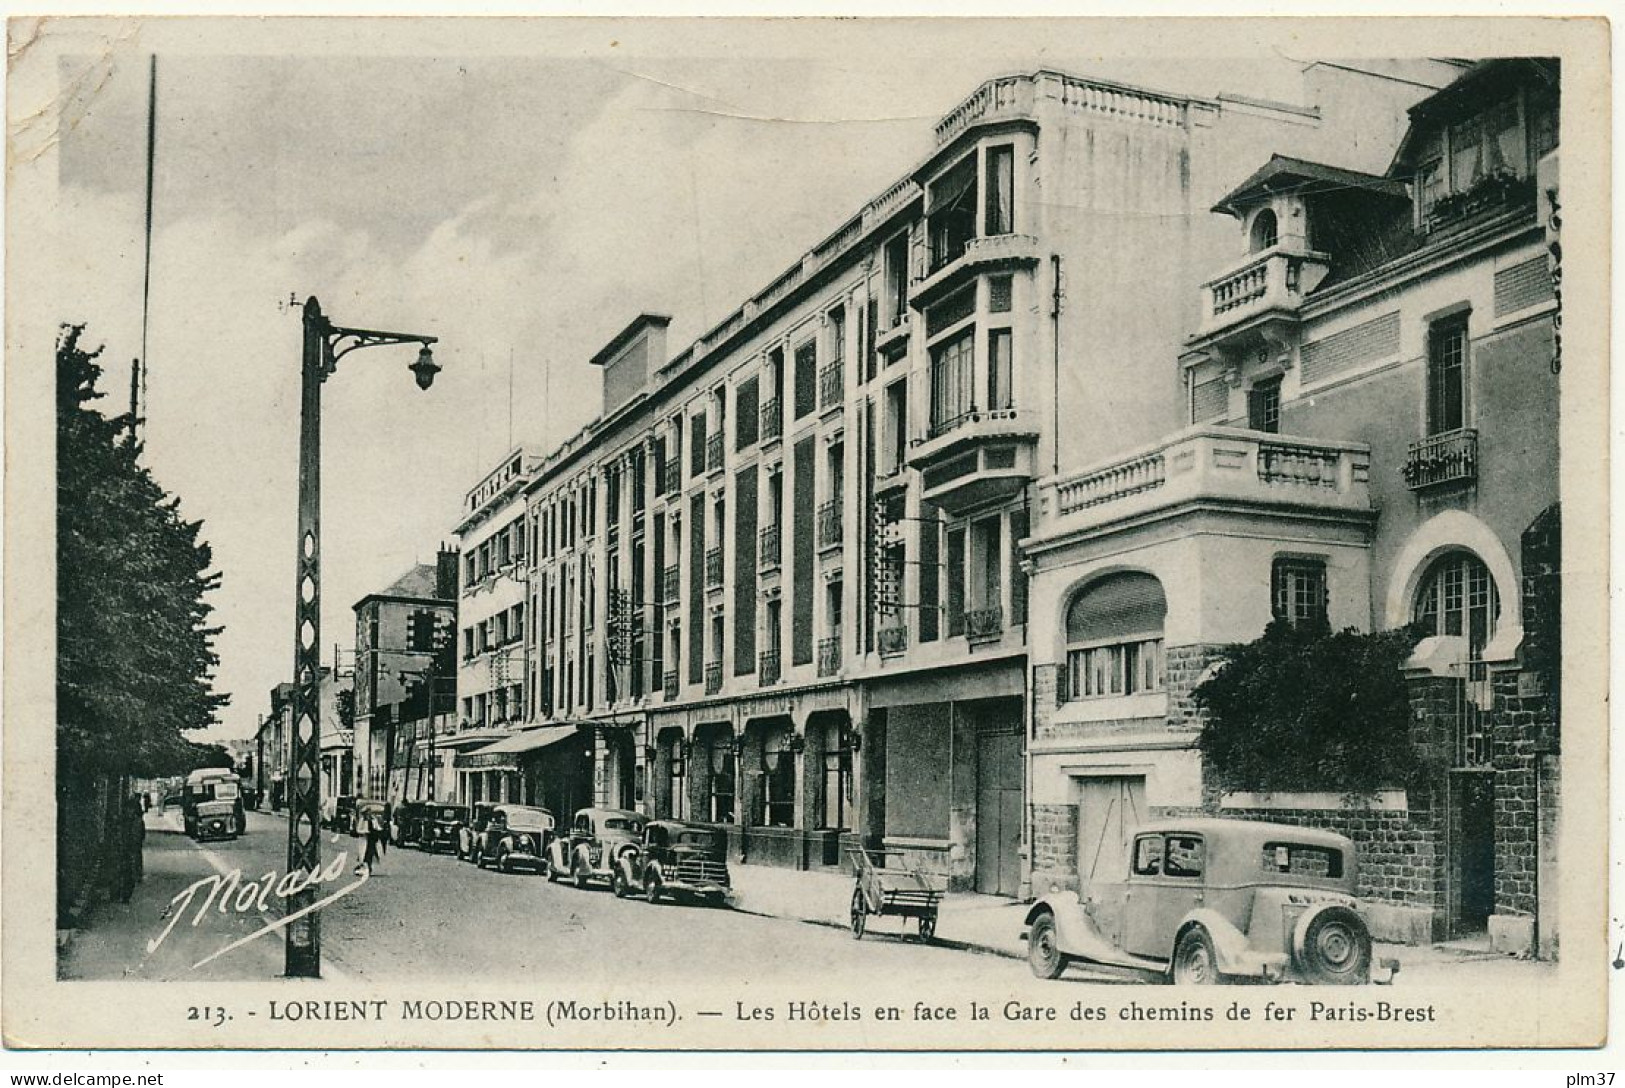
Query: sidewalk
[980,923]
[993,925]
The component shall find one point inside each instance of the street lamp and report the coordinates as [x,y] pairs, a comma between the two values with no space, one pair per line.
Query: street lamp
[325,344]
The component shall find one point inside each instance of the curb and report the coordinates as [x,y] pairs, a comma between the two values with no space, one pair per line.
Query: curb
[937,942]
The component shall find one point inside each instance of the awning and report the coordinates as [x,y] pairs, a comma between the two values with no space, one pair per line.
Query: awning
[505,754]
[473,738]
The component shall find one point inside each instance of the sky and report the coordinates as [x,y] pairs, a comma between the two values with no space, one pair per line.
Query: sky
[520,197]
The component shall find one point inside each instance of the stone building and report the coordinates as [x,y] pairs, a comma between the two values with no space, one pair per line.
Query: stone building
[1370,437]
[782,575]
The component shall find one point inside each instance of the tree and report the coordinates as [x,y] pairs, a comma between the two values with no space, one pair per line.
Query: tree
[1304,708]
[135,652]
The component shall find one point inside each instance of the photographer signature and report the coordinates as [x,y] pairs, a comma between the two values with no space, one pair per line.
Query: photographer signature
[229,893]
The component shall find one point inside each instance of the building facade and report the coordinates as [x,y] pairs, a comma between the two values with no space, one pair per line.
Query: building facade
[1370,438]
[788,577]
[403,646]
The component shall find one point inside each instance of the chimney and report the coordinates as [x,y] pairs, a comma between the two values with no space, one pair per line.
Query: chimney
[445,573]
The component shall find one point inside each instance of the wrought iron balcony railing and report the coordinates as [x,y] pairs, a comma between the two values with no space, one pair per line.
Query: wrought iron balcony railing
[829,656]
[984,623]
[892,640]
[713,677]
[767,667]
[772,420]
[671,477]
[829,524]
[768,548]
[713,568]
[1442,459]
[671,583]
[669,685]
[713,453]
[829,385]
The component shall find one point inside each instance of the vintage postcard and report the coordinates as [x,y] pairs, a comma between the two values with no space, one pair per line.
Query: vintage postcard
[747,534]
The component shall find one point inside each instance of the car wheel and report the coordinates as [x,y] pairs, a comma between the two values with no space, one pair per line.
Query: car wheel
[1334,948]
[1044,954]
[479,857]
[928,927]
[651,888]
[502,861]
[617,884]
[579,875]
[1195,961]
[860,914]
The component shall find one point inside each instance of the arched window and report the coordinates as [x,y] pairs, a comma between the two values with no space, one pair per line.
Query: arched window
[1457,597]
[1265,231]
[1114,637]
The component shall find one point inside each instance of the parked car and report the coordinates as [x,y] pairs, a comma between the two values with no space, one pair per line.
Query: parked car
[479,815]
[597,838]
[676,859]
[367,809]
[343,810]
[438,825]
[514,836]
[406,822]
[1212,900]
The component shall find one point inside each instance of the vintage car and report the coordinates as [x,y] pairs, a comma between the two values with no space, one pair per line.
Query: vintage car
[212,804]
[597,838]
[1214,900]
[366,810]
[479,815]
[514,837]
[439,824]
[343,809]
[406,821]
[681,860]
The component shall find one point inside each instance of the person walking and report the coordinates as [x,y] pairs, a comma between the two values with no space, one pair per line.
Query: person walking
[375,833]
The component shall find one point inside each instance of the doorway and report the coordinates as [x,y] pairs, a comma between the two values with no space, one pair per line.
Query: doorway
[1109,808]
[998,813]
[1472,852]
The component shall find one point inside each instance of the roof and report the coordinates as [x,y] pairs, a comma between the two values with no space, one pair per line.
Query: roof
[625,336]
[417,584]
[1470,92]
[1285,172]
[1256,829]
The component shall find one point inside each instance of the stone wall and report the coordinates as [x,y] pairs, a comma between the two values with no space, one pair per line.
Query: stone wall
[1054,847]
[1182,671]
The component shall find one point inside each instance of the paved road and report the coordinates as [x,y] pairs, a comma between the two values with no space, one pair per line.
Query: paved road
[424,916]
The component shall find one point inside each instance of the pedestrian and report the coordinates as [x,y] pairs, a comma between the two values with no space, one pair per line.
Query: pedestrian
[375,832]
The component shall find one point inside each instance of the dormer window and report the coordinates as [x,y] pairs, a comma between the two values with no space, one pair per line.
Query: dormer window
[1265,232]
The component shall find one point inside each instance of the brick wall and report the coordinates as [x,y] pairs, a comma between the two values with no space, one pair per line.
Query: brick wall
[1055,843]
[1183,667]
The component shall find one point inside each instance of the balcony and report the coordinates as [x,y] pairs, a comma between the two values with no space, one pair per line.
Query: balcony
[829,656]
[1215,466]
[671,584]
[1265,290]
[713,568]
[975,457]
[768,549]
[772,420]
[829,525]
[892,641]
[994,253]
[669,685]
[1449,458]
[984,623]
[671,477]
[829,385]
[713,677]
[713,453]
[767,667]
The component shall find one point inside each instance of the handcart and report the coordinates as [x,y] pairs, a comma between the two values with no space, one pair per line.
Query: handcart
[900,891]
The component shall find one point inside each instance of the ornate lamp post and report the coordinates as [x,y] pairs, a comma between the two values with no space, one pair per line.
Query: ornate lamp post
[325,344]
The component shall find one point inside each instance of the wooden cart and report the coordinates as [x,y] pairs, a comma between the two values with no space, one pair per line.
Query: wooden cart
[899,891]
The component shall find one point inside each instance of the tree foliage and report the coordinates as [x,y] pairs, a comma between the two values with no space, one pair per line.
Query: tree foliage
[135,652]
[1305,708]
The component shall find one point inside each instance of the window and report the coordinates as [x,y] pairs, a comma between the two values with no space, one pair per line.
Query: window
[837,336]
[468,642]
[747,418]
[720,754]
[1001,212]
[778,780]
[806,378]
[1148,855]
[1489,144]
[1458,597]
[998,294]
[1299,860]
[951,376]
[696,445]
[517,531]
[896,285]
[1182,856]
[1265,233]
[1264,405]
[895,441]
[1446,375]
[1298,590]
[951,212]
[838,779]
[999,393]
[1114,637]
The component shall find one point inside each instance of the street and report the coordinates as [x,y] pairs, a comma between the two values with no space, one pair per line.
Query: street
[424,916]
